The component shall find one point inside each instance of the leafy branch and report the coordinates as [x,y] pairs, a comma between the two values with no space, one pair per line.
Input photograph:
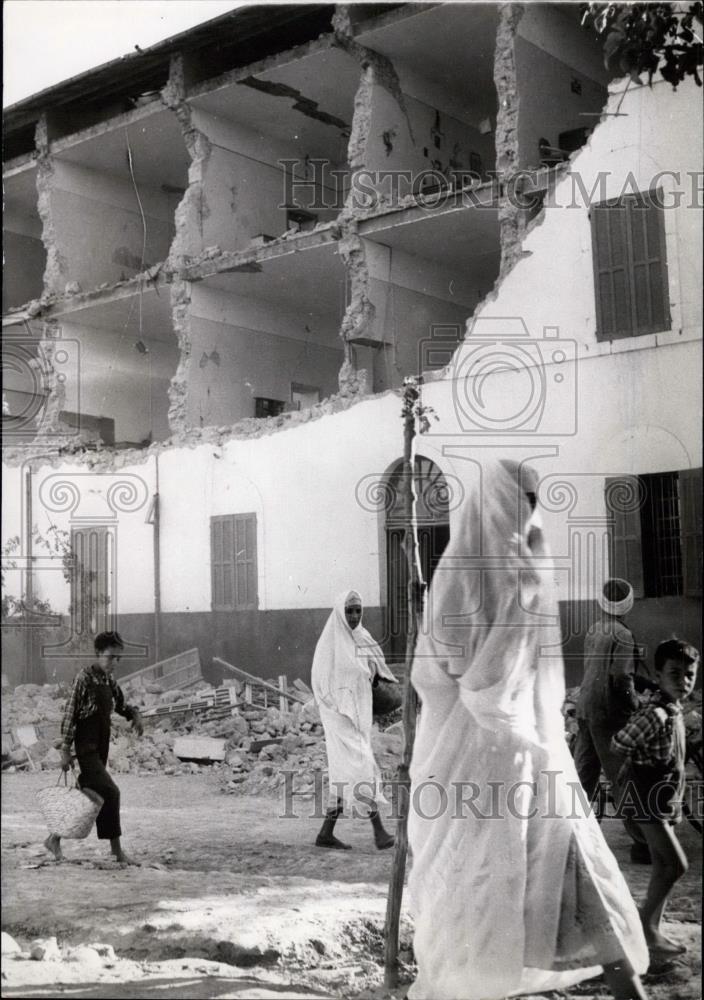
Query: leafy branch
[649,37]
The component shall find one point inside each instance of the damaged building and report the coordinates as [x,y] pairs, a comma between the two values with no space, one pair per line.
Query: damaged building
[224,254]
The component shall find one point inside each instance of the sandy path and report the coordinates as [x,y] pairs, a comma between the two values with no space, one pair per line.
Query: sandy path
[237,897]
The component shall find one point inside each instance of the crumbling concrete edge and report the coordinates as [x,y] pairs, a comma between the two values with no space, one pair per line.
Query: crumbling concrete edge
[56,269]
[188,220]
[359,315]
[511,225]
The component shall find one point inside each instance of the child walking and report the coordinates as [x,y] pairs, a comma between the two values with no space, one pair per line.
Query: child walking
[653,780]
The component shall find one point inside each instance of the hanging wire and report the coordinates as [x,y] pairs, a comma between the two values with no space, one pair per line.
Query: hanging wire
[140,294]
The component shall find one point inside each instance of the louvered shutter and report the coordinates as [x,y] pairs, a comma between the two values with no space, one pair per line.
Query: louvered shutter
[245,561]
[630,267]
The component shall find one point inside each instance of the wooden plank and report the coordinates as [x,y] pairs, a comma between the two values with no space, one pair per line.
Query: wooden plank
[184,663]
[199,748]
[303,688]
[252,679]
[283,700]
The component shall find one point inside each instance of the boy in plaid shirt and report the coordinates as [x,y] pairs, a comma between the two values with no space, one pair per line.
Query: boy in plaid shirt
[653,779]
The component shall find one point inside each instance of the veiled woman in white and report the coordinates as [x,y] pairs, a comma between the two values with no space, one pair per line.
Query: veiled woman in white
[346,663]
[513,888]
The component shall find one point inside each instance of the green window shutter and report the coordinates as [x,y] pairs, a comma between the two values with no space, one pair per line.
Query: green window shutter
[691,530]
[623,511]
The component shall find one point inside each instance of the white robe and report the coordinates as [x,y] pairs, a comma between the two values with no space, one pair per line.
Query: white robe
[513,903]
[344,664]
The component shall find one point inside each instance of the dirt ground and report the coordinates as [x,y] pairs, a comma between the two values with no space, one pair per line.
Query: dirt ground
[232,901]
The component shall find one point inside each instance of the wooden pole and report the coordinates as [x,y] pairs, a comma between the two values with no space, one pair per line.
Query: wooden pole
[410,707]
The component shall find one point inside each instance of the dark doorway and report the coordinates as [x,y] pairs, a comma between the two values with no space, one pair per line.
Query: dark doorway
[433,536]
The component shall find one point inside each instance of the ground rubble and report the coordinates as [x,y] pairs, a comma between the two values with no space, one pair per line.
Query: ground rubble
[264,747]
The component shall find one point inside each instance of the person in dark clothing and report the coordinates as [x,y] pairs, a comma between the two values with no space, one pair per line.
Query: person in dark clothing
[608,696]
[86,725]
[653,745]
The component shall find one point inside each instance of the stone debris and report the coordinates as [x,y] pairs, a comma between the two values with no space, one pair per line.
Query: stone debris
[260,748]
[9,945]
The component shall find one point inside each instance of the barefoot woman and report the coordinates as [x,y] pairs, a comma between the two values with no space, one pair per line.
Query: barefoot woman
[86,723]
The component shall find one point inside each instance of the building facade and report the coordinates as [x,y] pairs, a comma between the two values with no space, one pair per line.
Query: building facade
[223,256]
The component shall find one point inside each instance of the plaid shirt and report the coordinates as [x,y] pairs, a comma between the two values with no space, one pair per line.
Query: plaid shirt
[654,734]
[82,701]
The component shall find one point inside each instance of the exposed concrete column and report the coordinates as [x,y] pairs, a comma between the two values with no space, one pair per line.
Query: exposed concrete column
[511,218]
[188,218]
[56,270]
[178,389]
[188,223]
[359,315]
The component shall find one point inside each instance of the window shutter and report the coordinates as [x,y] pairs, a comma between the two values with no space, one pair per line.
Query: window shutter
[222,563]
[611,273]
[623,510]
[691,530]
[649,265]
[245,554]
[630,267]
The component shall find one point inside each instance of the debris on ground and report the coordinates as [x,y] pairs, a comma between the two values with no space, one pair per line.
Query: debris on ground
[259,749]
[255,746]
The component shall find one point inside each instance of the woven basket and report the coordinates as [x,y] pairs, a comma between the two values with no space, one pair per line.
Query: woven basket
[67,811]
[386,697]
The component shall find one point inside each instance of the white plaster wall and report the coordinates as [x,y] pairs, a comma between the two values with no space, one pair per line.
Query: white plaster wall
[548,104]
[244,190]
[628,407]
[98,224]
[415,150]
[261,348]
[659,135]
[116,381]
[70,496]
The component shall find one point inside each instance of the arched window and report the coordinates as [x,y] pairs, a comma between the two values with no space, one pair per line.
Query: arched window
[433,535]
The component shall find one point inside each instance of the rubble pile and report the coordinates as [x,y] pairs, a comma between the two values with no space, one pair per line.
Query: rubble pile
[264,747]
[33,705]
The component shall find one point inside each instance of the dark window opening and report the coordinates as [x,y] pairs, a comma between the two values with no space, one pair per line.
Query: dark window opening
[268,407]
[656,532]
[433,535]
[660,534]
[300,219]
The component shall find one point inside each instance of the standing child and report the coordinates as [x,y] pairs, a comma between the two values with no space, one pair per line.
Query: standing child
[86,725]
[653,779]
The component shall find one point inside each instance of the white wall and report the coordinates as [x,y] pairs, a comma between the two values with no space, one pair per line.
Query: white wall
[244,191]
[116,381]
[628,407]
[261,348]
[98,224]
